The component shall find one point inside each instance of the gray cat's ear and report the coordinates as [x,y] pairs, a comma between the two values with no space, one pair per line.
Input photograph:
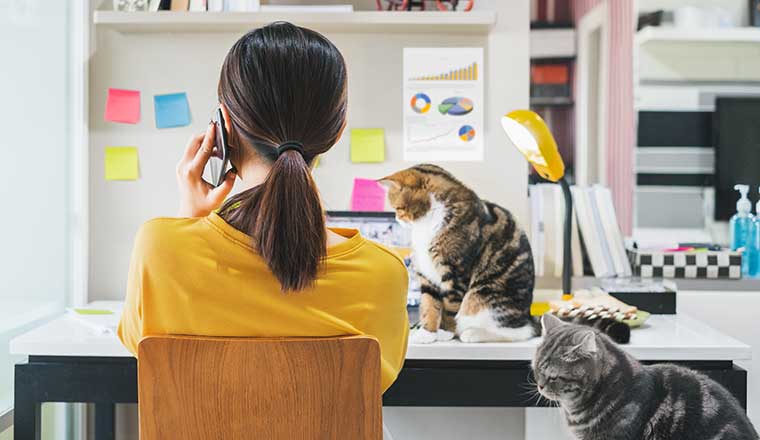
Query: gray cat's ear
[549,321]
[588,343]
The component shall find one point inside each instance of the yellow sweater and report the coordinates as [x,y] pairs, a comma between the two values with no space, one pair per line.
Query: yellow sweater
[200,276]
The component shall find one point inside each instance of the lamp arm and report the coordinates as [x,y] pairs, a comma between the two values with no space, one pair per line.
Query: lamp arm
[567,268]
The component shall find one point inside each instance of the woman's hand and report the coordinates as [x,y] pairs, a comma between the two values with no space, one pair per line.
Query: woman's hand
[197,197]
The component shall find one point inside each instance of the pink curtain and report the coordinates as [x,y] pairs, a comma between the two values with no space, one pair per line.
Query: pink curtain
[620,125]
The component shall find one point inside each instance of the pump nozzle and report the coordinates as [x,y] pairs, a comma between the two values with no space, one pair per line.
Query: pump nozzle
[743,205]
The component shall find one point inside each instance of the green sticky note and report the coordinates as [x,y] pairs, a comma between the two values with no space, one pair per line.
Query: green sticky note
[93,312]
[367,145]
[121,163]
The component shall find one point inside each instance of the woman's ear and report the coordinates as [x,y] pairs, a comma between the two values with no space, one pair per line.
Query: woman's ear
[226,116]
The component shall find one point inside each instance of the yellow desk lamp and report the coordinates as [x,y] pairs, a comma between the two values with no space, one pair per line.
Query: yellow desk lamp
[530,134]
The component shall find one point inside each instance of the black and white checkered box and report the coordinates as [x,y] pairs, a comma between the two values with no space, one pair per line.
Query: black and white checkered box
[706,264]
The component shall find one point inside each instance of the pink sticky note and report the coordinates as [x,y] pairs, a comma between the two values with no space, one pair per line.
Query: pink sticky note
[123,106]
[368,195]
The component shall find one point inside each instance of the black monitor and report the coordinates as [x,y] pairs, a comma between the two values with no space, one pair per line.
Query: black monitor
[737,151]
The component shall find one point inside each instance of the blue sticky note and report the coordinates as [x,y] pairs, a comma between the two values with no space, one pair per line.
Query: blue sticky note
[172,110]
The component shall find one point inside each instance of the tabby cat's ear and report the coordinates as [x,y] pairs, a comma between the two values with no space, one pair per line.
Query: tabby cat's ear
[389,183]
[549,321]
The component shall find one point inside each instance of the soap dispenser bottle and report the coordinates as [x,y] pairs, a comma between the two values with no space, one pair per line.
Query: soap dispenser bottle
[754,248]
[741,227]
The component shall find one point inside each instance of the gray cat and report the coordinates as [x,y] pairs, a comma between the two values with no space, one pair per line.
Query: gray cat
[605,394]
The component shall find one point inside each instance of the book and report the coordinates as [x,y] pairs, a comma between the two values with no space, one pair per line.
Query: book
[215,5]
[160,5]
[198,5]
[591,232]
[241,5]
[180,5]
[307,8]
[547,235]
[611,229]
[604,245]
[536,229]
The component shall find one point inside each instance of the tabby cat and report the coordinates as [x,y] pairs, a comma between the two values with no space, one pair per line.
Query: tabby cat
[474,261]
[606,394]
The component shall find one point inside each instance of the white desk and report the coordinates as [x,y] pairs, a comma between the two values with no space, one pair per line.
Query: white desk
[69,361]
[662,338]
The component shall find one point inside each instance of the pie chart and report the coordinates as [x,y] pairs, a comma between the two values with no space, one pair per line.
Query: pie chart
[466,133]
[455,106]
[420,103]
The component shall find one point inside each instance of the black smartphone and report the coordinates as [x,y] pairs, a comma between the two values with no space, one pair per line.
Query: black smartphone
[218,164]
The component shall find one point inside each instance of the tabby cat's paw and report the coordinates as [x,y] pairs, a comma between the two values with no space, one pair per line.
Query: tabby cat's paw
[422,336]
[444,335]
[472,335]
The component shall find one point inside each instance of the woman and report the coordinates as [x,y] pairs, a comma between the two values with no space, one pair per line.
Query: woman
[265,264]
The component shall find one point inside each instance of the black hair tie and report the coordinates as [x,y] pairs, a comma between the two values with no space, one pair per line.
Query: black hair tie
[290,145]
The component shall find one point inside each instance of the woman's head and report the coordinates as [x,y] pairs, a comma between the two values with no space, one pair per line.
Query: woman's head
[283,83]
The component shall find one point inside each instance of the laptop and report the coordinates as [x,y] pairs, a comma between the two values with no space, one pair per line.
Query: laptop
[383,228]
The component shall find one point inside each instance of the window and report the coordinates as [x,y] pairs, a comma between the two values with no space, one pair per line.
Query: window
[34,178]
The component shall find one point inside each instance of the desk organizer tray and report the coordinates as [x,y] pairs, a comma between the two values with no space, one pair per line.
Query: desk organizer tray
[699,264]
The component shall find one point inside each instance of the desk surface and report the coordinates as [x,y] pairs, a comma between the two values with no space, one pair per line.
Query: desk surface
[663,337]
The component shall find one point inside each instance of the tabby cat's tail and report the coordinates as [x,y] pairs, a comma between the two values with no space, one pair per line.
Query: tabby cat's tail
[618,331]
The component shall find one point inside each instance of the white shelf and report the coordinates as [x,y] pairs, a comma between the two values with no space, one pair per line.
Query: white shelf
[718,35]
[474,22]
[552,43]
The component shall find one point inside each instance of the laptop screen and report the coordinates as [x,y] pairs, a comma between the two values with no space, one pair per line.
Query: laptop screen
[383,228]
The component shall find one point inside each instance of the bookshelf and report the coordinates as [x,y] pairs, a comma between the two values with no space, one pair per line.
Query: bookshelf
[474,22]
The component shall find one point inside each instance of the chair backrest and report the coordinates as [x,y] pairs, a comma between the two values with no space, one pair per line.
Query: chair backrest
[250,388]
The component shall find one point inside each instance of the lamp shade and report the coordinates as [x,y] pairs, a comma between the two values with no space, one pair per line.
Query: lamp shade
[530,134]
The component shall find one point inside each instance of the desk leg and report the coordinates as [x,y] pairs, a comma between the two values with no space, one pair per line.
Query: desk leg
[26,410]
[105,421]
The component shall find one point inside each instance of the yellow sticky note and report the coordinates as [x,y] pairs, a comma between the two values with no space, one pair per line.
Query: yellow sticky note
[121,163]
[367,145]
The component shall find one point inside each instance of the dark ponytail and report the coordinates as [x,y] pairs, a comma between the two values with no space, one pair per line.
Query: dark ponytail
[281,84]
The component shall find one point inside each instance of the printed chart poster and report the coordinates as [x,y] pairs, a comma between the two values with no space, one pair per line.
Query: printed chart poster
[443,104]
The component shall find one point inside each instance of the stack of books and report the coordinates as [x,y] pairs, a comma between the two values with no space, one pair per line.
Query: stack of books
[602,239]
[240,6]
[596,236]
[547,232]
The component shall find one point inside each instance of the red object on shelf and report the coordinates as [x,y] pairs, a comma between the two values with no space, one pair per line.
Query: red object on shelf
[550,74]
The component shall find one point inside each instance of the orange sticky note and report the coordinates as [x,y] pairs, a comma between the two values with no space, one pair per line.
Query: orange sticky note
[123,106]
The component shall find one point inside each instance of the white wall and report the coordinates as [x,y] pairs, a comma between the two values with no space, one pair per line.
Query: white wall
[33,184]
[162,63]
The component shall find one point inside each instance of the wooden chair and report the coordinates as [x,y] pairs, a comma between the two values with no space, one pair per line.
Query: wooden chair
[245,388]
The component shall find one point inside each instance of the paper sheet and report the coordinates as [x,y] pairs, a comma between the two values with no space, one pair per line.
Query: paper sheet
[367,145]
[123,106]
[443,104]
[121,163]
[172,110]
[368,195]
